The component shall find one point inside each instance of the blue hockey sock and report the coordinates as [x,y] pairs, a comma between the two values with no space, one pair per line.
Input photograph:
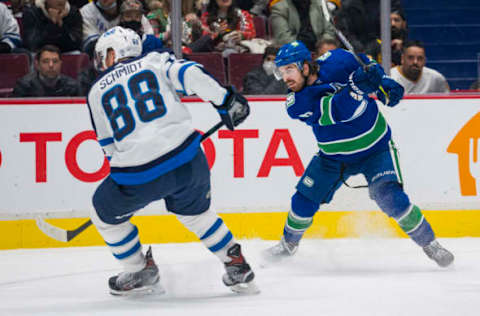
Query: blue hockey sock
[300,218]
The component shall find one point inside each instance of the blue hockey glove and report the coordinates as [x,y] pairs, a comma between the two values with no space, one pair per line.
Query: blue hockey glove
[366,81]
[394,91]
[234,110]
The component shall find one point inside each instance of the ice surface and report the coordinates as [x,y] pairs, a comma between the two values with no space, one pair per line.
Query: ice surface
[326,277]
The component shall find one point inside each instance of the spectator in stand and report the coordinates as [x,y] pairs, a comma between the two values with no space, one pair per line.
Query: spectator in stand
[227,25]
[9,31]
[131,14]
[85,79]
[399,34]
[359,21]
[414,76]
[46,80]
[259,7]
[17,7]
[261,80]
[300,20]
[53,22]
[99,16]
[323,46]
[159,11]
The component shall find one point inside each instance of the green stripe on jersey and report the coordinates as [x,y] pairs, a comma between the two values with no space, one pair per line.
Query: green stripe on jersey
[326,118]
[358,143]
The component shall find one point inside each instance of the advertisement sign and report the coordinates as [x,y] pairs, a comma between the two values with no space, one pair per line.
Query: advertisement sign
[50,162]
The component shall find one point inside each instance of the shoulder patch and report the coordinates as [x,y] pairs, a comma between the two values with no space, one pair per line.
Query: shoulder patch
[290,99]
[324,56]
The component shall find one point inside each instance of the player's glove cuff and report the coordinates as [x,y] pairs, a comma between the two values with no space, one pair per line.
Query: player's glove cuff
[234,110]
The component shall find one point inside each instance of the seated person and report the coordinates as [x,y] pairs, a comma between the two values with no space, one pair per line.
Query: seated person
[9,31]
[227,25]
[131,14]
[324,45]
[414,76]
[261,80]
[53,22]
[46,80]
[300,20]
[99,16]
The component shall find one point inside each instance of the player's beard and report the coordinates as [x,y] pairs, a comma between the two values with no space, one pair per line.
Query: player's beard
[294,85]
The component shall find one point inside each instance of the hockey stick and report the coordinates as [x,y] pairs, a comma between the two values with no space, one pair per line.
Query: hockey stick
[65,235]
[345,41]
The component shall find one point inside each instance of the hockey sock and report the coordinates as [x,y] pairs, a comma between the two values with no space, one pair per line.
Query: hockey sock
[123,241]
[295,227]
[414,224]
[212,231]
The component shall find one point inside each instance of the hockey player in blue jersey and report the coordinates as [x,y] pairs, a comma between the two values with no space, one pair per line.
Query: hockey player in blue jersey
[332,96]
[154,153]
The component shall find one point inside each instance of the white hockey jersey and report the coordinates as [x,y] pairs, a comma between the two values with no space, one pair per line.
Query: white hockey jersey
[9,30]
[95,24]
[143,128]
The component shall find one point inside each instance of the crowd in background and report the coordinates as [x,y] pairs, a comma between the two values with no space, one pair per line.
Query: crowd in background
[49,29]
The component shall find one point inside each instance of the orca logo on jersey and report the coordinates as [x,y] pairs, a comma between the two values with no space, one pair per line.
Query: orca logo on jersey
[290,99]
[466,144]
[115,74]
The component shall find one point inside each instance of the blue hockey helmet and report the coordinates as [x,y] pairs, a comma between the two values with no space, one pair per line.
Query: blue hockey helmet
[293,53]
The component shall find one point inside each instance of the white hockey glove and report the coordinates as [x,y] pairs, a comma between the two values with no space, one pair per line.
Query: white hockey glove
[234,110]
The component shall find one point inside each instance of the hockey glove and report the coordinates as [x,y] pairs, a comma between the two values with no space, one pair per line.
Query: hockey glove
[394,91]
[366,81]
[234,110]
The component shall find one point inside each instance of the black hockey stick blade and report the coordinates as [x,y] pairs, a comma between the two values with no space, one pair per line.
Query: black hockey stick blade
[58,233]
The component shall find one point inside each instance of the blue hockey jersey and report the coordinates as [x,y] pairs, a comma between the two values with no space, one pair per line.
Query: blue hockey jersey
[347,126]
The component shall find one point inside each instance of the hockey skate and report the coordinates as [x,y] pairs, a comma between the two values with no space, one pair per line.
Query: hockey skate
[144,281]
[281,250]
[239,276]
[437,253]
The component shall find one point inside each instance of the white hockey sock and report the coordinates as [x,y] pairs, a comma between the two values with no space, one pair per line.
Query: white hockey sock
[212,231]
[123,241]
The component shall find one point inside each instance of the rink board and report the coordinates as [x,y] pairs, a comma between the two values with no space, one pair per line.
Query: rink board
[50,164]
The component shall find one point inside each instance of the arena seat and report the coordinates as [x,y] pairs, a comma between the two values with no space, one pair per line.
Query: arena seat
[239,65]
[14,67]
[72,64]
[213,63]
[260,27]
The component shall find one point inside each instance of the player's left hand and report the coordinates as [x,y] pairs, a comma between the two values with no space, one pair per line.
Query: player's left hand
[394,91]
[234,110]
[366,80]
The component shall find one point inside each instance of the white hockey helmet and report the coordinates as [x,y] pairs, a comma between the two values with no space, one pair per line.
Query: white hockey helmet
[124,42]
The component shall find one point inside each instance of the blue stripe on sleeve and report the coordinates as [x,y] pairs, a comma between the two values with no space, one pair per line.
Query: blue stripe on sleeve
[181,74]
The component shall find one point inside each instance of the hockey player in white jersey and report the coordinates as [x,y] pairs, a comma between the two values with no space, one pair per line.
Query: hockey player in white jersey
[146,133]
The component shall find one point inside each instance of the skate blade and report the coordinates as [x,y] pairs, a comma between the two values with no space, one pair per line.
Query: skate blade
[156,289]
[245,288]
